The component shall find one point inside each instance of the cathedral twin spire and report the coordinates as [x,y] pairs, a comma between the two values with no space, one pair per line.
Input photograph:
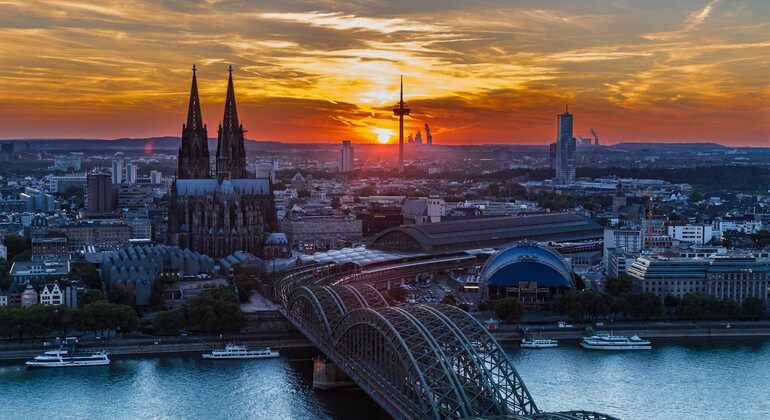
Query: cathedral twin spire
[194,152]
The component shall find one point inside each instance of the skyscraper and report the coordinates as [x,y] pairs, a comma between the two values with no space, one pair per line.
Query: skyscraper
[118,170]
[346,157]
[565,150]
[131,173]
[100,197]
[400,110]
[428,136]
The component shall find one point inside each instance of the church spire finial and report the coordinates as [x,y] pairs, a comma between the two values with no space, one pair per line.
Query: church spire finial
[194,118]
[230,120]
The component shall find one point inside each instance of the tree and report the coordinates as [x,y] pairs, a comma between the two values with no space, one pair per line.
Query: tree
[646,305]
[17,245]
[754,308]
[90,296]
[215,310]
[101,316]
[119,295]
[508,309]
[86,272]
[619,286]
[246,281]
[5,278]
[593,305]
[169,322]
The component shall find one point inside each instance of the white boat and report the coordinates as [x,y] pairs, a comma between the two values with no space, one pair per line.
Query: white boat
[63,358]
[233,351]
[539,343]
[615,342]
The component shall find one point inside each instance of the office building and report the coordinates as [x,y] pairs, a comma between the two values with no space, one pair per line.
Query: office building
[131,173]
[50,249]
[725,277]
[346,157]
[100,197]
[118,172]
[156,177]
[697,234]
[565,151]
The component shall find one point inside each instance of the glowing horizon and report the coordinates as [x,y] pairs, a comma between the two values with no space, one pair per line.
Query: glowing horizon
[497,72]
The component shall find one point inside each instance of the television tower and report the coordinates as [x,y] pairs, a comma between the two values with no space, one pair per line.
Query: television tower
[400,110]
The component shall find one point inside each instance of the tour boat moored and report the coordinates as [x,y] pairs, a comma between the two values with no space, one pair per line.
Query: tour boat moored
[538,343]
[615,342]
[233,351]
[64,358]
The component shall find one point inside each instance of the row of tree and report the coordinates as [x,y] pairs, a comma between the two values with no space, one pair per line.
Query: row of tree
[590,305]
[43,321]
[212,311]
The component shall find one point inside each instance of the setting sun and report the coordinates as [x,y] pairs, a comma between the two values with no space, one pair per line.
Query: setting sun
[383,134]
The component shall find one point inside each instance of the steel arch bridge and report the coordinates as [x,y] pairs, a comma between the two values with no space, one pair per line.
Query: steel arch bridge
[416,361]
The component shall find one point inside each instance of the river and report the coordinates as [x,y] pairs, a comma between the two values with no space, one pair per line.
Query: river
[701,379]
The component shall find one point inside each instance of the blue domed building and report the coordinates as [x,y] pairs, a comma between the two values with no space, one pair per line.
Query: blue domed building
[533,273]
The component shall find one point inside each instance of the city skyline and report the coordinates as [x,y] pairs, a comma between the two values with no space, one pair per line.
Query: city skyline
[477,72]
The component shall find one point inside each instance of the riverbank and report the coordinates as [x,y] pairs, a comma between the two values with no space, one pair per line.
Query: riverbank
[717,329]
[143,346]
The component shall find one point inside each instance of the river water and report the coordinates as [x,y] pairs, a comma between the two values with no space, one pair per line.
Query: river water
[706,379]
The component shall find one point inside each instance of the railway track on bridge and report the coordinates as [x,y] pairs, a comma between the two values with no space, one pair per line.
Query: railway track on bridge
[416,361]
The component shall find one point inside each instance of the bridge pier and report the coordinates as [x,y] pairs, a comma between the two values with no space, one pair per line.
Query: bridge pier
[326,375]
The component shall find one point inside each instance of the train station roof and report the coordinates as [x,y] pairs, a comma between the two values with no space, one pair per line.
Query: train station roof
[487,232]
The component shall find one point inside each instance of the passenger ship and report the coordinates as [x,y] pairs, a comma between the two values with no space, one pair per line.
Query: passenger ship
[232,351]
[539,343]
[63,358]
[615,342]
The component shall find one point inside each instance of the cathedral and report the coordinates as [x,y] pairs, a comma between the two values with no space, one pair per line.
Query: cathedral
[227,211]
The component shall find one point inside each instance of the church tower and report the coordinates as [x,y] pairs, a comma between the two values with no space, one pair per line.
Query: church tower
[231,155]
[194,149]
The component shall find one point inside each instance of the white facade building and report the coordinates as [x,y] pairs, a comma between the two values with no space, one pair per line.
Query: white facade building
[131,173]
[118,170]
[156,177]
[51,295]
[698,234]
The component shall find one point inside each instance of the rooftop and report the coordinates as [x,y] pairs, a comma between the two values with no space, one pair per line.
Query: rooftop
[486,232]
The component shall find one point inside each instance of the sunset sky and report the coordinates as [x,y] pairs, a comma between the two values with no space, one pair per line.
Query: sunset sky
[478,71]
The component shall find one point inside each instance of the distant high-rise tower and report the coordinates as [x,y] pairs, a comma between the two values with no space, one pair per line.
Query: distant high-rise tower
[346,157]
[418,138]
[131,173]
[231,155]
[400,110]
[100,194]
[193,161]
[428,136]
[118,170]
[565,150]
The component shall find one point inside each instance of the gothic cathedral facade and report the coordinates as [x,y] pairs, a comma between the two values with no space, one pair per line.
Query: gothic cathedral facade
[227,211]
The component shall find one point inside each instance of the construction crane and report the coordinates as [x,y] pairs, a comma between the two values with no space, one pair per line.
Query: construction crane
[596,138]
